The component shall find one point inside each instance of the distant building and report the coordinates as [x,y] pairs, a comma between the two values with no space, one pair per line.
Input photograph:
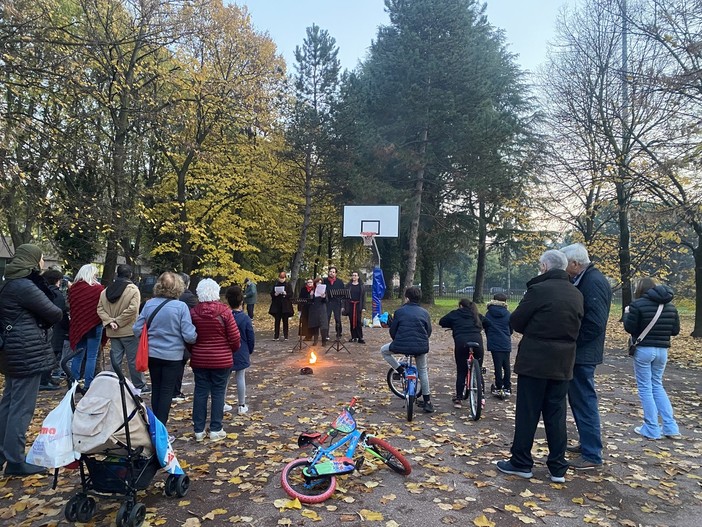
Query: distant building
[7,251]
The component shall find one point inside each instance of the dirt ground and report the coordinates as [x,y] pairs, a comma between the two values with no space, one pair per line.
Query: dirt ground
[453,481]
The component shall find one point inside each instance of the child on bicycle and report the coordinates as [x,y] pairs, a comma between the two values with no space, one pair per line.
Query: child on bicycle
[410,331]
[465,325]
[499,342]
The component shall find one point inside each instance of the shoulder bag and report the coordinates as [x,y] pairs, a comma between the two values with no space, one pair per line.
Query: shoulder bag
[142,356]
[642,335]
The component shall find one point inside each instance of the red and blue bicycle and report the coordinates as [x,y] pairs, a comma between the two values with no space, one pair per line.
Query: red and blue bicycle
[313,479]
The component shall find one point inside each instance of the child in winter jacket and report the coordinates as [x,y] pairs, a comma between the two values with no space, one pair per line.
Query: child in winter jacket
[499,342]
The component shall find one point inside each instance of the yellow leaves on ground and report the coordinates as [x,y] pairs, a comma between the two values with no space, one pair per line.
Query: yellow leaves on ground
[371,516]
[482,521]
[308,513]
[282,504]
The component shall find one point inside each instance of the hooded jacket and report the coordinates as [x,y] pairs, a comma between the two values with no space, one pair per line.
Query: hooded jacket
[642,311]
[122,309]
[497,328]
[217,336]
[548,317]
[463,326]
[26,305]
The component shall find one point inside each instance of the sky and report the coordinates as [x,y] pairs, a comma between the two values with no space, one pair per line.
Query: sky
[528,25]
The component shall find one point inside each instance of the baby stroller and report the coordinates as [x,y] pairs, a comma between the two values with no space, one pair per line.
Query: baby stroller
[122,446]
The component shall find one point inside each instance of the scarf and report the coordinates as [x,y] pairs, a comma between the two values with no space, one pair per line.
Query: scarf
[115,290]
[25,260]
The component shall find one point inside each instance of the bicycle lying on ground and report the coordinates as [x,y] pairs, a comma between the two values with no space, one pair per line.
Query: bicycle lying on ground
[313,479]
[406,386]
[473,389]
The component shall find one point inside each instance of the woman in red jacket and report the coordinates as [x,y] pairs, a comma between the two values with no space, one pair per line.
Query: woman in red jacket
[85,331]
[211,358]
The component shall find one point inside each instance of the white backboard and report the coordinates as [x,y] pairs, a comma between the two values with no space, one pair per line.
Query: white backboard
[383,220]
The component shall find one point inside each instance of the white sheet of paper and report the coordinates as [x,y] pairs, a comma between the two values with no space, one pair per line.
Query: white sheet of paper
[320,290]
[279,289]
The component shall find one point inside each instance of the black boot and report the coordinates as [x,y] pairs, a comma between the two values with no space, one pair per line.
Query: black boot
[428,407]
[22,469]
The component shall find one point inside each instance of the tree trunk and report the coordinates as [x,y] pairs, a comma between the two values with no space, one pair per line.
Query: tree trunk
[111,252]
[482,255]
[697,330]
[624,241]
[306,220]
[415,213]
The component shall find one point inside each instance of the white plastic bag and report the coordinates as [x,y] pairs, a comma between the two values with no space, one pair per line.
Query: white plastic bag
[53,447]
[376,322]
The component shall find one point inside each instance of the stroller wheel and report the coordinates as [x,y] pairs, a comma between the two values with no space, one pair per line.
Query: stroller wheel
[71,508]
[86,509]
[182,485]
[122,519]
[170,486]
[136,517]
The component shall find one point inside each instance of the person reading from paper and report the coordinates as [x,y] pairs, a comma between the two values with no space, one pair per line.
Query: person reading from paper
[281,305]
[334,284]
[318,321]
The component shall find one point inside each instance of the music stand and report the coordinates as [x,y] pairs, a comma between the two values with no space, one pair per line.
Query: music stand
[301,344]
[337,344]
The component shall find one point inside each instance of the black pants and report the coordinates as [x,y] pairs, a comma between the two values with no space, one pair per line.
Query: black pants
[250,310]
[164,376]
[540,398]
[502,370]
[334,306]
[285,318]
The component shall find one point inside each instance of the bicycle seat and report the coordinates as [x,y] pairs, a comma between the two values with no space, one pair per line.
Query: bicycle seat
[472,345]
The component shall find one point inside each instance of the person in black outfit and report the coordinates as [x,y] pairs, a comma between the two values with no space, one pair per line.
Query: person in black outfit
[333,302]
[548,317]
[318,321]
[281,304]
[191,301]
[304,309]
[27,307]
[498,333]
[465,325]
[354,307]
[59,333]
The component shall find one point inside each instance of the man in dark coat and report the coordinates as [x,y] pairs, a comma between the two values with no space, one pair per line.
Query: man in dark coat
[334,303]
[410,331]
[548,317]
[597,295]
[26,306]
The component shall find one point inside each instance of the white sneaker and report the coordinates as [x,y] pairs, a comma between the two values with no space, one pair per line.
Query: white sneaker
[227,407]
[199,436]
[216,436]
[243,409]
[557,479]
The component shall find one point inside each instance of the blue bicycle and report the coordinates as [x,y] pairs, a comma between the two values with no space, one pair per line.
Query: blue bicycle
[313,479]
[406,386]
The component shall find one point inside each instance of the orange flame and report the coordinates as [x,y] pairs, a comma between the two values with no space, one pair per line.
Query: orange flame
[313,357]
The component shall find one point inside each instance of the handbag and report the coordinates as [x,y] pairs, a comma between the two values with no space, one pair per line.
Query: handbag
[142,356]
[53,447]
[642,335]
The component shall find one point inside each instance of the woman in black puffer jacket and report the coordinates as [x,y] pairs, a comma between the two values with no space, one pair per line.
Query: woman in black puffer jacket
[26,305]
[652,354]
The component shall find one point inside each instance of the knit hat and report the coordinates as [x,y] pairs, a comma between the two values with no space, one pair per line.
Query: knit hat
[26,260]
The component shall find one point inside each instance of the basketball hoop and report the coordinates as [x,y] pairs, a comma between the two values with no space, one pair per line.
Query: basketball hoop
[367,238]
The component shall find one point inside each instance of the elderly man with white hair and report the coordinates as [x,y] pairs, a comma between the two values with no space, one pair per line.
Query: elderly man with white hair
[548,317]
[582,396]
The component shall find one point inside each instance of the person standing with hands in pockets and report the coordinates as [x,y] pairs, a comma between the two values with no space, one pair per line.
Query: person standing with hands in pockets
[582,396]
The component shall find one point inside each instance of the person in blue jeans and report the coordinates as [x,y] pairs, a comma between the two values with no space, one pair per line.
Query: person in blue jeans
[582,395]
[652,354]
[410,331]
[499,342]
